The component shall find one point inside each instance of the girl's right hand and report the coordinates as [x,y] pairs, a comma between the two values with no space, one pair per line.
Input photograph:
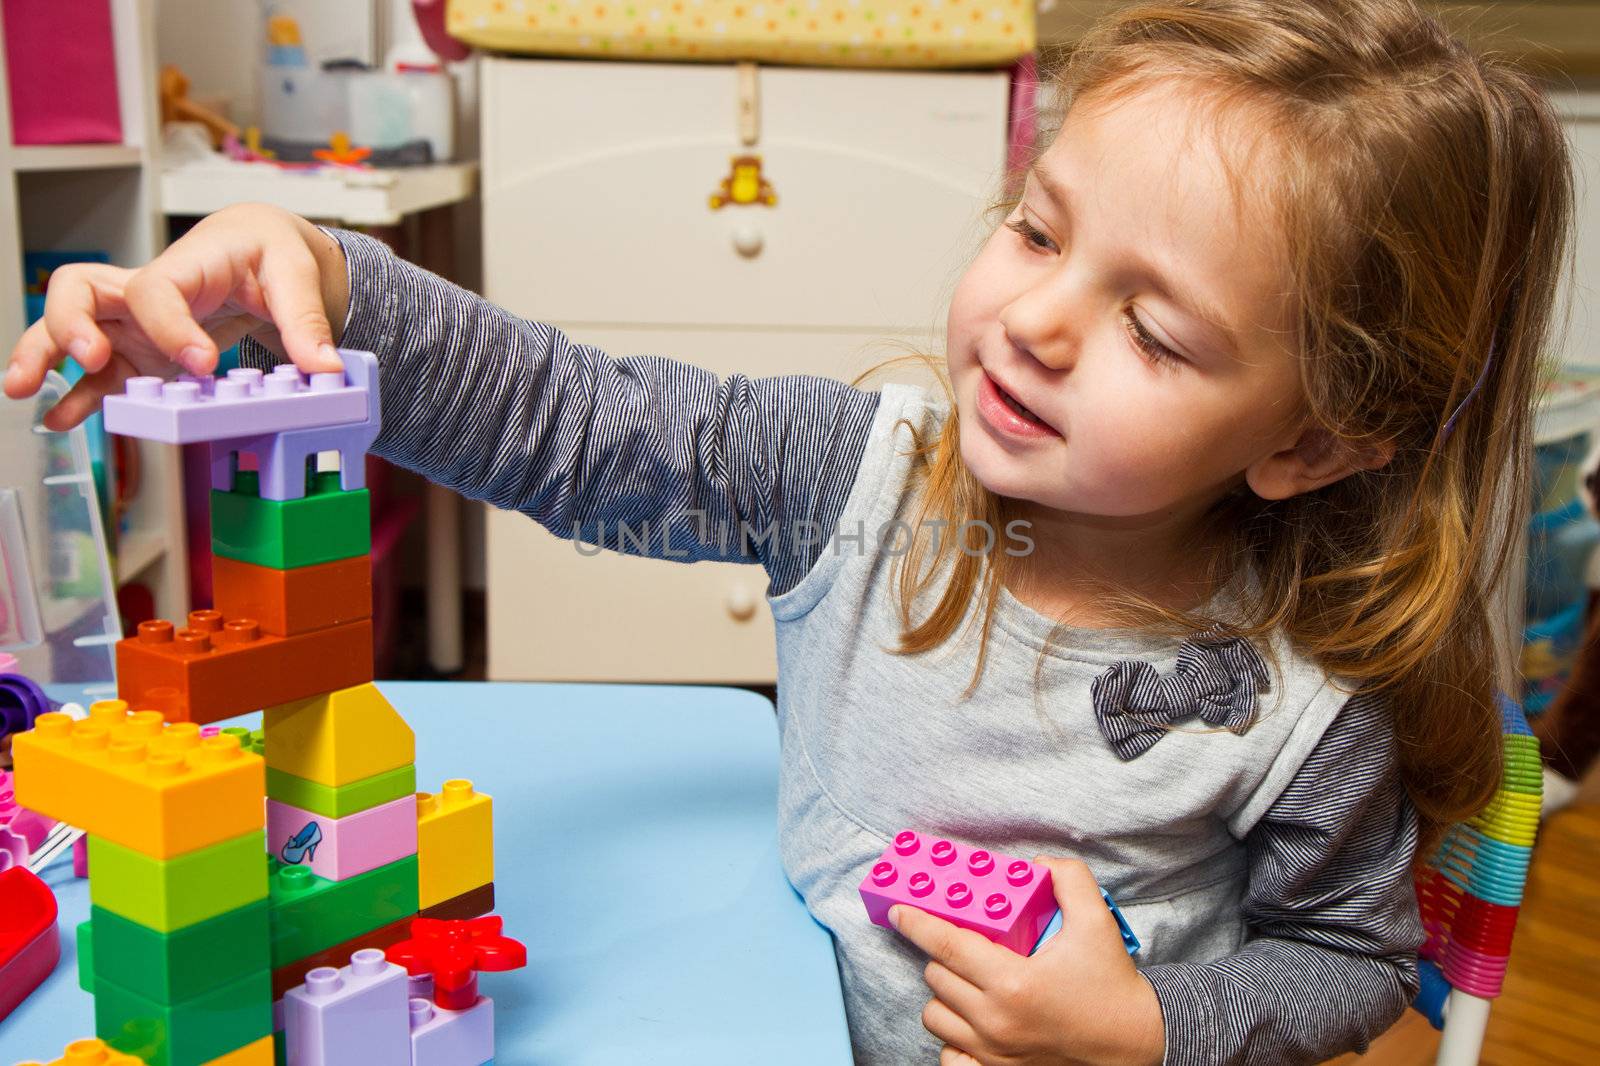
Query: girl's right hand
[246,270]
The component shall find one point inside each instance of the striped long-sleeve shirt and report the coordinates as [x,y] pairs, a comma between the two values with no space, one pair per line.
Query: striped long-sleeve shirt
[1316,953]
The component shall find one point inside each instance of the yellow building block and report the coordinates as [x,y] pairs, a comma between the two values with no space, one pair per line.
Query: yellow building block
[338,737]
[255,1053]
[455,842]
[136,781]
[92,1052]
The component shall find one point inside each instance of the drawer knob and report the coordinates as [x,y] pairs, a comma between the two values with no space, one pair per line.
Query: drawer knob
[741,604]
[747,241]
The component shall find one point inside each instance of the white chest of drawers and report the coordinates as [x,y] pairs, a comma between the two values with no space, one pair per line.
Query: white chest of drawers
[596,185]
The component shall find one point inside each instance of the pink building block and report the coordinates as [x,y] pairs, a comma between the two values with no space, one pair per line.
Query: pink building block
[245,403]
[442,1037]
[1008,900]
[14,849]
[341,848]
[21,830]
[358,1013]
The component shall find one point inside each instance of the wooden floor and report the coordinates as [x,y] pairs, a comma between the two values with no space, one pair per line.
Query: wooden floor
[1549,1013]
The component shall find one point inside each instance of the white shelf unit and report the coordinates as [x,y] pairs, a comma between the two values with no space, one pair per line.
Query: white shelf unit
[350,197]
[103,197]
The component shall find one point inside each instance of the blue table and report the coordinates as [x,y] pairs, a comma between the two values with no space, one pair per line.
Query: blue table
[635,855]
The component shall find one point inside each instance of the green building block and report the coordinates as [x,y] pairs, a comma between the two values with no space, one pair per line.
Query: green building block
[324,525]
[85,958]
[251,740]
[168,894]
[173,967]
[331,802]
[189,1033]
[310,913]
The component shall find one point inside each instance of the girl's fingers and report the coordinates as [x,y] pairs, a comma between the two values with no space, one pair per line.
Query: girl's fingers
[78,296]
[292,285]
[83,399]
[948,1026]
[162,311]
[951,988]
[966,952]
[34,354]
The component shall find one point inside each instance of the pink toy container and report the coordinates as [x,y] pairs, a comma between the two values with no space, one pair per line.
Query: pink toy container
[62,69]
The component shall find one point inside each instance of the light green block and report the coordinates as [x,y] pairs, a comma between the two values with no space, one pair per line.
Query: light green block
[331,802]
[169,894]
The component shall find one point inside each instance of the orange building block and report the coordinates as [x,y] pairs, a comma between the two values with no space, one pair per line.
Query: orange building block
[216,668]
[131,779]
[288,602]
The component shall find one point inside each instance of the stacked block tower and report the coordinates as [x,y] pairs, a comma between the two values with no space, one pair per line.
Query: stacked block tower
[225,867]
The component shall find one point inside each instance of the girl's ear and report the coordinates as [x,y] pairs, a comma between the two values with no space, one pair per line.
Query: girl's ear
[1318,458]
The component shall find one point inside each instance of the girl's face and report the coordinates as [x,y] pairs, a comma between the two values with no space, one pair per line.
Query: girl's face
[1139,319]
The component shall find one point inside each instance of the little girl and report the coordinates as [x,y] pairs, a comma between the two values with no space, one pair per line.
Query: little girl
[1182,584]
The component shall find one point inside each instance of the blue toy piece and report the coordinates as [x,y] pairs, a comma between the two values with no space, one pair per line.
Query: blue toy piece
[1129,941]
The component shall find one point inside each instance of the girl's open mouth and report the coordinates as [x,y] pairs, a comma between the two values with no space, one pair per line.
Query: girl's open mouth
[1002,411]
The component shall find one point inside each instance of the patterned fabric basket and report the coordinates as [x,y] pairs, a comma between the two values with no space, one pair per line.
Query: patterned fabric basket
[843,33]
[1471,889]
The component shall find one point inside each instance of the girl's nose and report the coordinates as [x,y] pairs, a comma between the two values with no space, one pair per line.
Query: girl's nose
[1039,324]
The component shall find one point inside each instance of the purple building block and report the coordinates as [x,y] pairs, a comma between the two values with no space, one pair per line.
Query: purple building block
[358,1013]
[21,701]
[191,410]
[282,455]
[1008,900]
[442,1037]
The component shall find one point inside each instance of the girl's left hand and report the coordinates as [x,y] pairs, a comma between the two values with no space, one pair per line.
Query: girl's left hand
[1079,1000]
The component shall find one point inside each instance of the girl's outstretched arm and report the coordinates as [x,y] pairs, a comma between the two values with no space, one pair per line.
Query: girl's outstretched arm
[516,413]
[1333,911]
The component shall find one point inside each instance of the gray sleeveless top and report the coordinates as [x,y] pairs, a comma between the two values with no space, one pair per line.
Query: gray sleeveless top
[874,742]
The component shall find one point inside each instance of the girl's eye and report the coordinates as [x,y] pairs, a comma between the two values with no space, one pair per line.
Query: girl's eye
[1158,353]
[1029,232]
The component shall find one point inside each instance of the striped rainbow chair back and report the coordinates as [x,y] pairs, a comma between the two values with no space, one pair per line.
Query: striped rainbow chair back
[1470,893]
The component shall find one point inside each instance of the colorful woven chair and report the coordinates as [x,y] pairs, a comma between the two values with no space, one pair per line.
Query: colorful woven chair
[1470,893]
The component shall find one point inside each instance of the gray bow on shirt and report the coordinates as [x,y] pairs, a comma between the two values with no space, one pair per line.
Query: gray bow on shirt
[1217,679]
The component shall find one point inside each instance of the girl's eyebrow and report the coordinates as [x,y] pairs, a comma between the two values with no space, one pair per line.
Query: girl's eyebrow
[1175,291]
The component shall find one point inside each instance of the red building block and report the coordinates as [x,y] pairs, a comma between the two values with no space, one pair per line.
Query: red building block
[216,668]
[289,602]
[453,953]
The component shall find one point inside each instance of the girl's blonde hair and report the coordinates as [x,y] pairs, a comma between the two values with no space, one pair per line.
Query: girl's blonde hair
[1425,195]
